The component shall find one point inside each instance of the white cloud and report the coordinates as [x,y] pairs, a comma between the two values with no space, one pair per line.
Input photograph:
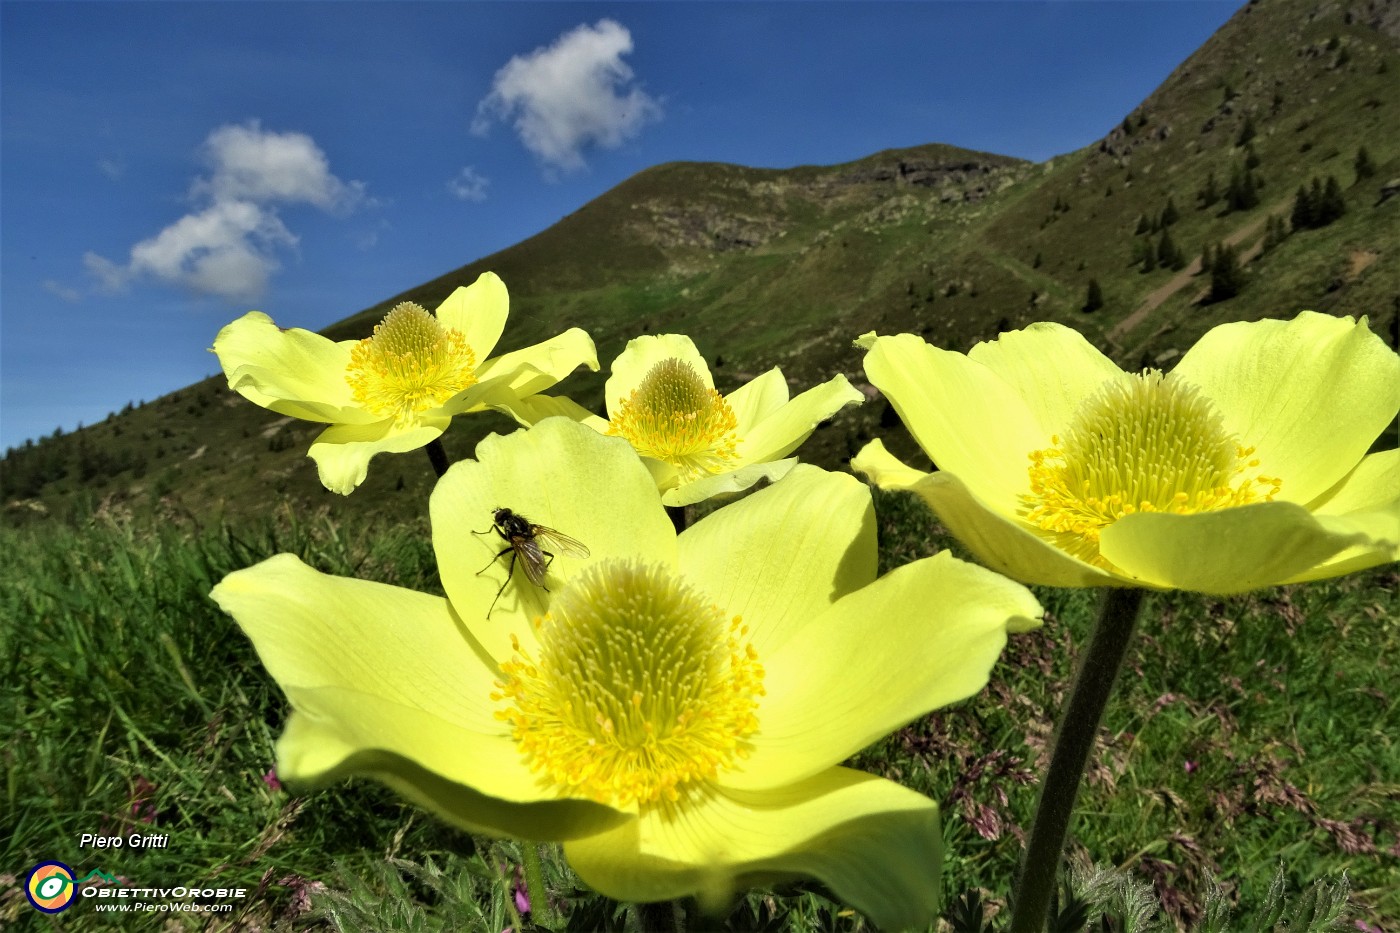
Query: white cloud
[229,246]
[67,293]
[111,168]
[468,185]
[571,95]
[110,276]
[252,165]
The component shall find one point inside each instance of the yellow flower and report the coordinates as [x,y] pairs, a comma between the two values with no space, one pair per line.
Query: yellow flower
[696,442]
[674,708]
[1244,467]
[398,389]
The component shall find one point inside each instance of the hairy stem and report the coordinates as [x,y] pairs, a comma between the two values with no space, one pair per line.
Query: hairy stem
[1074,740]
[534,883]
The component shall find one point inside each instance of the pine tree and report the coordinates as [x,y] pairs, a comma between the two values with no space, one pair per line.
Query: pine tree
[1242,193]
[1226,276]
[1251,158]
[1247,132]
[1143,225]
[1149,257]
[1167,253]
[1207,257]
[1093,296]
[1363,165]
[1170,214]
[1334,205]
[1208,194]
[1304,211]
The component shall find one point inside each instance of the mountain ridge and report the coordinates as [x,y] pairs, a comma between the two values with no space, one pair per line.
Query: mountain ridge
[784,267]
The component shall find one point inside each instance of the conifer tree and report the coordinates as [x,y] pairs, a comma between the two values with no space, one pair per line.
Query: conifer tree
[1365,168]
[1247,131]
[1143,225]
[1242,193]
[1208,194]
[1170,214]
[1093,296]
[1304,212]
[1226,276]
[1167,254]
[1334,205]
[1149,257]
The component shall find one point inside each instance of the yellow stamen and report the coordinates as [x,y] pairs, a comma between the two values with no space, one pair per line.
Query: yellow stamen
[641,687]
[1141,443]
[674,416]
[411,364]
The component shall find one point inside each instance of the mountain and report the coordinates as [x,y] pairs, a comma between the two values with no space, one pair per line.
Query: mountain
[767,267]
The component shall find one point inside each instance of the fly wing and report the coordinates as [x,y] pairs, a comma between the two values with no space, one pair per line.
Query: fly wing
[528,550]
[556,542]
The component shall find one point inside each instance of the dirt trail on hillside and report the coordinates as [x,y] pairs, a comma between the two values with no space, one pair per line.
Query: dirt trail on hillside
[1183,278]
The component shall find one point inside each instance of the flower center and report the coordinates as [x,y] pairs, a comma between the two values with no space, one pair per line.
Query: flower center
[1141,443]
[640,688]
[673,416]
[411,364]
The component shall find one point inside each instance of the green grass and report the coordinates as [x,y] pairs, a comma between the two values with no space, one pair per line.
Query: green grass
[134,705]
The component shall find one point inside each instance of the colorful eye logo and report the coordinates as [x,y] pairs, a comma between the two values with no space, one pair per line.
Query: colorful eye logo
[50,887]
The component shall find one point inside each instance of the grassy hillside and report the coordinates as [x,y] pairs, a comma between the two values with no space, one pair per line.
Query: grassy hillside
[784,267]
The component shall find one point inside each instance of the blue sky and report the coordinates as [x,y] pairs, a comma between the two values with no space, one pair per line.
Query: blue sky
[165,167]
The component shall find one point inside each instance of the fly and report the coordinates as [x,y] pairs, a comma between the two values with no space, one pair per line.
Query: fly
[528,543]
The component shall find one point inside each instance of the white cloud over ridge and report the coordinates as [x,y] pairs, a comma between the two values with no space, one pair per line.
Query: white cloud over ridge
[468,185]
[228,247]
[570,95]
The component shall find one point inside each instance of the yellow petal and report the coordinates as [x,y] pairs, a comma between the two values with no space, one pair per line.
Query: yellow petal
[783,430]
[372,667]
[781,556]
[1310,394]
[876,845]
[293,372]
[699,490]
[1370,494]
[970,421]
[532,409]
[478,312]
[462,806]
[559,474]
[758,398]
[1003,543]
[641,354]
[538,367]
[1052,368]
[1374,483]
[919,638]
[342,452]
[883,468]
[1228,551]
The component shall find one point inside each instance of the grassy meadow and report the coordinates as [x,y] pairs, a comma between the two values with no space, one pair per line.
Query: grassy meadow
[1248,735]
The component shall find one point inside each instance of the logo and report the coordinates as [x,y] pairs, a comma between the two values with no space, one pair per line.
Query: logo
[50,887]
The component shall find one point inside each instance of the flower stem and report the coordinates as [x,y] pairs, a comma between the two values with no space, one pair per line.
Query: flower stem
[438,455]
[678,517]
[1074,739]
[534,883]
